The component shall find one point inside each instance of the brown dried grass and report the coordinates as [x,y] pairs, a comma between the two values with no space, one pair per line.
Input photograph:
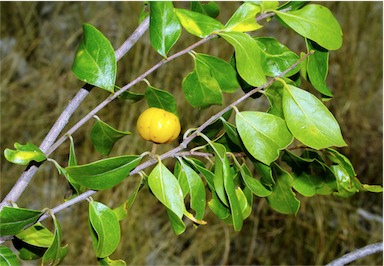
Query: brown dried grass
[38,41]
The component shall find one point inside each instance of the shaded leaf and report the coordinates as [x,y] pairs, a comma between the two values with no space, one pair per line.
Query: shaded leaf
[55,253]
[121,212]
[7,257]
[105,229]
[164,27]
[207,8]
[161,99]
[252,183]
[95,61]
[309,120]
[24,154]
[104,173]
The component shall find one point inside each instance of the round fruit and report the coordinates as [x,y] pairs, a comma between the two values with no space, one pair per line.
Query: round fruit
[158,125]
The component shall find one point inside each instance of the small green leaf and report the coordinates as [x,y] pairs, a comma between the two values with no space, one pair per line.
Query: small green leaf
[13,220]
[200,88]
[109,262]
[248,57]
[121,212]
[244,19]
[130,95]
[276,57]
[221,70]
[104,174]
[24,154]
[105,229]
[196,190]
[252,183]
[222,163]
[177,223]
[218,208]
[207,8]
[245,206]
[317,68]
[315,22]
[309,120]
[103,136]
[161,99]
[164,27]
[196,23]
[95,61]
[166,189]
[55,253]
[282,198]
[7,257]
[263,134]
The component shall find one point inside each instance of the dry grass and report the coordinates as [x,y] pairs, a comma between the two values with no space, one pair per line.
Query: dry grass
[38,41]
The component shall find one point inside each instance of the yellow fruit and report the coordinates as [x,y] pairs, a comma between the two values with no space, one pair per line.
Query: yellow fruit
[158,125]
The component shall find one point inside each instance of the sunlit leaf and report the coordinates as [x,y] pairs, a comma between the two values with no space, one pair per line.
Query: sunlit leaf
[13,220]
[121,212]
[7,257]
[24,154]
[109,262]
[164,27]
[309,120]
[315,22]
[104,228]
[161,99]
[244,19]
[95,61]
[55,253]
[105,173]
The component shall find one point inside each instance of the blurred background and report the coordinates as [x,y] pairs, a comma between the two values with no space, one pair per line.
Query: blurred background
[38,42]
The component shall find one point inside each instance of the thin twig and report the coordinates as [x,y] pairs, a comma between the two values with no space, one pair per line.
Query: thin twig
[25,178]
[357,254]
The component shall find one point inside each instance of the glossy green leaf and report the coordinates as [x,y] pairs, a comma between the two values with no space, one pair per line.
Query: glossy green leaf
[161,99]
[244,19]
[166,189]
[164,27]
[252,183]
[245,206]
[24,154]
[210,8]
[104,137]
[36,235]
[276,57]
[317,68]
[105,229]
[196,190]
[248,57]
[196,23]
[282,198]
[200,88]
[315,22]
[309,120]
[55,253]
[95,61]
[7,257]
[221,70]
[222,163]
[263,134]
[177,223]
[13,220]
[109,262]
[104,173]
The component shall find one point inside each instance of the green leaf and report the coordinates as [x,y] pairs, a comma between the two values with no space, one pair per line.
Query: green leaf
[164,27]
[196,23]
[340,159]
[245,206]
[55,253]
[222,164]
[176,221]
[36,235]
[130,95]
[103,136]
[121,212]
[252,183]
[221,70]
[309,120]
[263,134]
[161,99]
[274,94]
[315,22]
[218,208]
[309,185]
[244,19]
[104,173]
[13,220]
[248,57]
[282,198]
[207,8]
[265,172]
[276,57]
[232,133]
[7,257]
[317,68]
[95,61]
[72,161]
[166,189]
[266,5]
[109,262]
[200,88]
[24,154]
[105,229]
[208,175]
[196,190]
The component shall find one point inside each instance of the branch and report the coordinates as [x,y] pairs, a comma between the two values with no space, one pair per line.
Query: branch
[63,119]
[357,254]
